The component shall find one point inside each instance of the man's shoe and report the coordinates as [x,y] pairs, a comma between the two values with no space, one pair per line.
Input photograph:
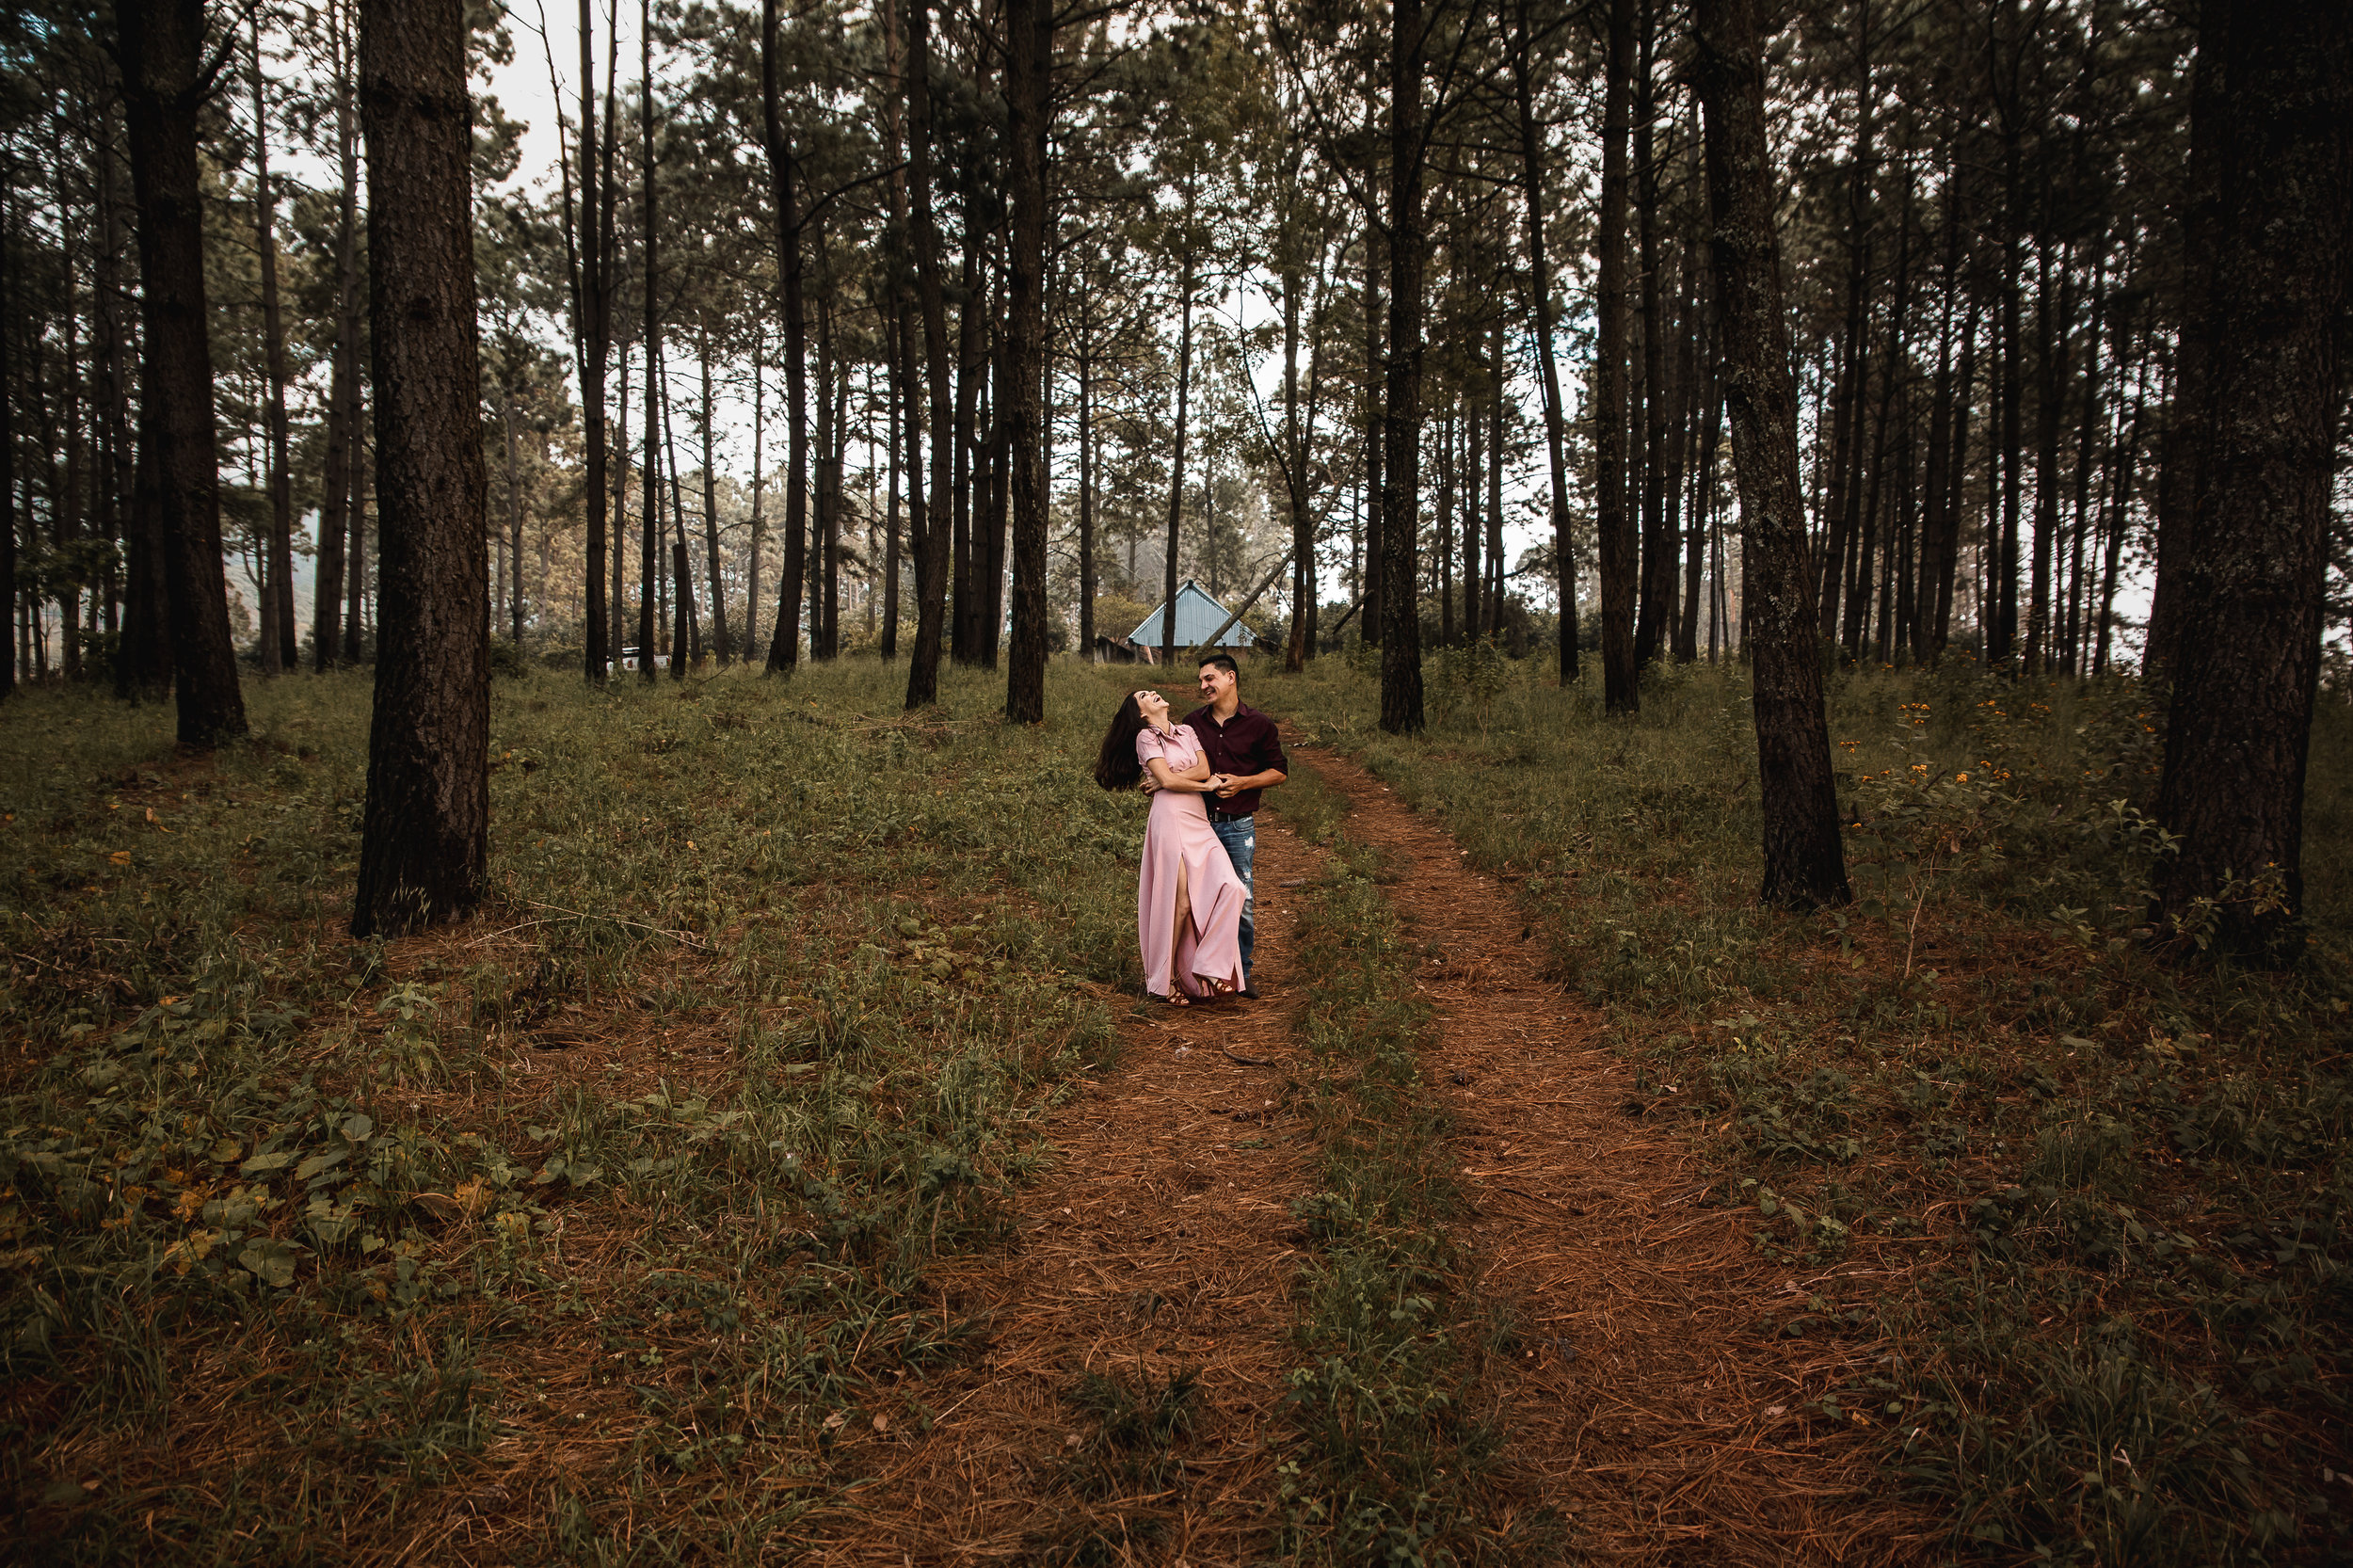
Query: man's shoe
[1251,991]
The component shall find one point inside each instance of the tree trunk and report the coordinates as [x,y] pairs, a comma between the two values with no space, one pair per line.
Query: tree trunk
[1029,81]
[2122,465]
[8,457]
[1804,865]
[649,552]
[989,547]
[1369,623]
[759,518]
[2093,416]
[1294,460]
[784,168]
[1442,547]
[686,640]
[280,651]
[970,463]
[514,523]
[2001,641]
[356,583]
[1086,487]
[424,838]
[2239,732]
[596,349]
[1655,619]
[1400,495]
[343,393]
[2050,363]
[1176,459]
[620,505]
[1698,404]
[1620,559]
[930,532]
[1540,297]
[161,44]
[1840,514]
[1494,615]
[1474,474]
[722,647]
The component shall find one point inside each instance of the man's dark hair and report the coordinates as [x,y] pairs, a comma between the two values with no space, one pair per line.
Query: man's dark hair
[1223,661]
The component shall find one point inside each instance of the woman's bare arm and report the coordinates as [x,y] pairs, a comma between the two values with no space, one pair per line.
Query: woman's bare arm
[1195,780]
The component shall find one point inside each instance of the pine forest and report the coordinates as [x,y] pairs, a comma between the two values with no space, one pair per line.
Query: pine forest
[1714,925]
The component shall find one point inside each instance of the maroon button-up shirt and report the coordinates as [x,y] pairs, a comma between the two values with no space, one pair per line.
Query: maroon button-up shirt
[1243,744]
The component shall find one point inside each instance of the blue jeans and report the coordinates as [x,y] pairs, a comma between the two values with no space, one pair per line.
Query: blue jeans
[1240,835]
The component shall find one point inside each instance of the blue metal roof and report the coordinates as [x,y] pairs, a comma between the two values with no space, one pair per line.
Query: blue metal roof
[1197,616]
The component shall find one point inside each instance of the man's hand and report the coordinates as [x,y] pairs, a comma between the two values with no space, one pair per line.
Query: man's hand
[1148,784]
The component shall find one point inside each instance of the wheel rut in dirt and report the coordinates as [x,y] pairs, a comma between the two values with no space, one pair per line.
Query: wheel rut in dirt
[1649,1409]
[1156,1243]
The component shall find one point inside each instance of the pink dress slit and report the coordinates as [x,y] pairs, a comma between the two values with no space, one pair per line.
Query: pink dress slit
[1208,948]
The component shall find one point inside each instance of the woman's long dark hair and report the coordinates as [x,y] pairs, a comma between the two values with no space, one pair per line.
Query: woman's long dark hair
[1116,766]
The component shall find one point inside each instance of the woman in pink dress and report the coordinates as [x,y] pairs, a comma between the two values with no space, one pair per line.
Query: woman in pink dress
[1188,900]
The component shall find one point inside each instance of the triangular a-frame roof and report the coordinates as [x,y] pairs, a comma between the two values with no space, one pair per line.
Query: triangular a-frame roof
[1197,617]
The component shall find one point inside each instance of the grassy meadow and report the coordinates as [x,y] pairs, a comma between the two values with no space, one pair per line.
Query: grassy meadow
[568,1235]
[2096,1206]
[576,1233]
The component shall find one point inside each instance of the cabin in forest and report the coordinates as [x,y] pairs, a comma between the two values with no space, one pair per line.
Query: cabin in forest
[1198,616]
[1116,651]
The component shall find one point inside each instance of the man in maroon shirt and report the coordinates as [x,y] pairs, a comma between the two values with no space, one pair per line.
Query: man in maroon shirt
[1246,754]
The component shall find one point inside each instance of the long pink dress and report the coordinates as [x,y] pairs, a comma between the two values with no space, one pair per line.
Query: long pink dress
[1209,946]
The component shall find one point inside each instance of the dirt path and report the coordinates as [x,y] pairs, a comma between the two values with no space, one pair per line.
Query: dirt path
[1659,1418]
[1154,1245]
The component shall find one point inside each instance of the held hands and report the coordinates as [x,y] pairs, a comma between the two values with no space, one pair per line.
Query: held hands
[1217,784]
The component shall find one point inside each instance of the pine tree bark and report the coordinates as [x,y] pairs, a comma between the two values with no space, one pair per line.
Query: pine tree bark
[2239,730]
[784,170]
[1086,486]
[930,530]
[280,651]
[1029,81]
[649,552]
[2051,308]
[425,837]
[1400,490]
[1690,395]
[596,351]
[1804,864]
[758,516]
[356,553]
[1369,621]
[1619,549]
[343,387]
[1176,458]
[8,460]
[1655,617]
[160,54]
[1548,369]
[722,645]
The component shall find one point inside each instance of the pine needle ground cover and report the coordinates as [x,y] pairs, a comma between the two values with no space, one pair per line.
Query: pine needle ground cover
[2090,1209]
[582,1230]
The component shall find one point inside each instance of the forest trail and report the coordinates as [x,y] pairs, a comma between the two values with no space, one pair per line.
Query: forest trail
[1651,1410]
[1158,1242]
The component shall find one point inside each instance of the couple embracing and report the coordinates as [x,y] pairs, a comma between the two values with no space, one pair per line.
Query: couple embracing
[1194,899]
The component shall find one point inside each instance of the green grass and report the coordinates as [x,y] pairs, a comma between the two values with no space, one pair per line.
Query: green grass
[581,1220]
[1393,1445]
[2109,1191]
